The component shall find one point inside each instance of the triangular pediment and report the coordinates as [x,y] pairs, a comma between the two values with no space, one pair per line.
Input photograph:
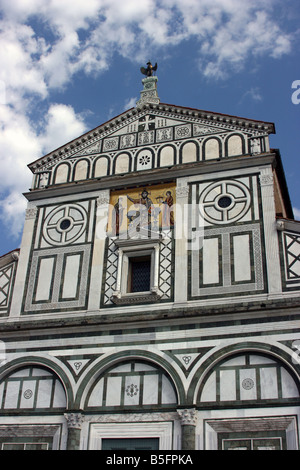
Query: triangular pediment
[150,126]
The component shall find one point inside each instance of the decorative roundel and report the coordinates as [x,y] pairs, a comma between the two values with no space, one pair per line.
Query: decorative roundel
[28,394]
[65,224]
[247,384]
[224,202]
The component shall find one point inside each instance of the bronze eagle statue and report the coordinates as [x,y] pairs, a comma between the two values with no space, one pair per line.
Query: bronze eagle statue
[149,70]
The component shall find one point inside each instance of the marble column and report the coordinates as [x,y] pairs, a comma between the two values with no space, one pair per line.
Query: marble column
[188,428]
[74,422]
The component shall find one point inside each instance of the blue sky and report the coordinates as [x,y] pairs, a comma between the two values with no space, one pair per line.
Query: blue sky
[69,65]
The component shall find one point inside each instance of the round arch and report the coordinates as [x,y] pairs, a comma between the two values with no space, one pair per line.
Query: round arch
[81,170]
[122,163]
[211,148]
[103,365]
[101,166]
[235,144]
[167,155]
[271,351]
[19,363]
[62,173]
[189,152]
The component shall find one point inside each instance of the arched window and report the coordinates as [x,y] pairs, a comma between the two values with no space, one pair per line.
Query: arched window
[32,388]
[132,384]
[249,379]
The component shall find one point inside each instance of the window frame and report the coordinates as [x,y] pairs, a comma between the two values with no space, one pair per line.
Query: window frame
[137,248]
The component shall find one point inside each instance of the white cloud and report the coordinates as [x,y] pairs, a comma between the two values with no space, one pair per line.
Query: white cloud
[12,213]
[20,145]
[45,43]
[296,213]
[62,125]
[130,103]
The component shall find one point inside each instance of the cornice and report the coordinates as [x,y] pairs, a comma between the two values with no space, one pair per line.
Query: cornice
[246,313]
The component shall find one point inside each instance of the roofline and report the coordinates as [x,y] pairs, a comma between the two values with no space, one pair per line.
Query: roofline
[161,106]
[6,255]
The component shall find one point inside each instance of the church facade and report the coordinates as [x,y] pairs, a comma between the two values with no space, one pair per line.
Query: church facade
[154,301]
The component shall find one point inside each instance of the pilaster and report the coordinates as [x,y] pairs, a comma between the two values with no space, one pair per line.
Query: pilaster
[270,231]
[30,218]
[99,249]
[181,268]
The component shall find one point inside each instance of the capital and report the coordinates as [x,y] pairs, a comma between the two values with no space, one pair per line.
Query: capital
[188,416]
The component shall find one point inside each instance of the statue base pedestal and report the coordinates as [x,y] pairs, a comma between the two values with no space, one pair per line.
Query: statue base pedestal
[149,93]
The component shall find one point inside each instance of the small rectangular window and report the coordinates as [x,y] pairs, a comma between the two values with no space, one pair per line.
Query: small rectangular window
[139,274]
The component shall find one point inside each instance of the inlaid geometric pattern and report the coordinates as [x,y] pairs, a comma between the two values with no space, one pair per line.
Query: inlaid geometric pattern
[165,268]
[224,202]
[7,274]
[111,271]
[292,247]
[5,279]
[65,224]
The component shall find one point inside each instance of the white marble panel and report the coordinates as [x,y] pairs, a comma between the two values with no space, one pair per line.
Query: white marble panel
[132,390]
[27,394]
[189,152]
[44,279]
[210,261]
[12,395]
[248,389]
[96,397]
[268,382]
[168,394]
[211,149]
[113,393]
[241,258]
[150,393]
[167,156]
[227,385]
[44,393]
[209,390]
[71,277]
[289,387]
[235,146]
[59,400]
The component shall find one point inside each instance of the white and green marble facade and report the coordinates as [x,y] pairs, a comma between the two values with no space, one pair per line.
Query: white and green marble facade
[209,358]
